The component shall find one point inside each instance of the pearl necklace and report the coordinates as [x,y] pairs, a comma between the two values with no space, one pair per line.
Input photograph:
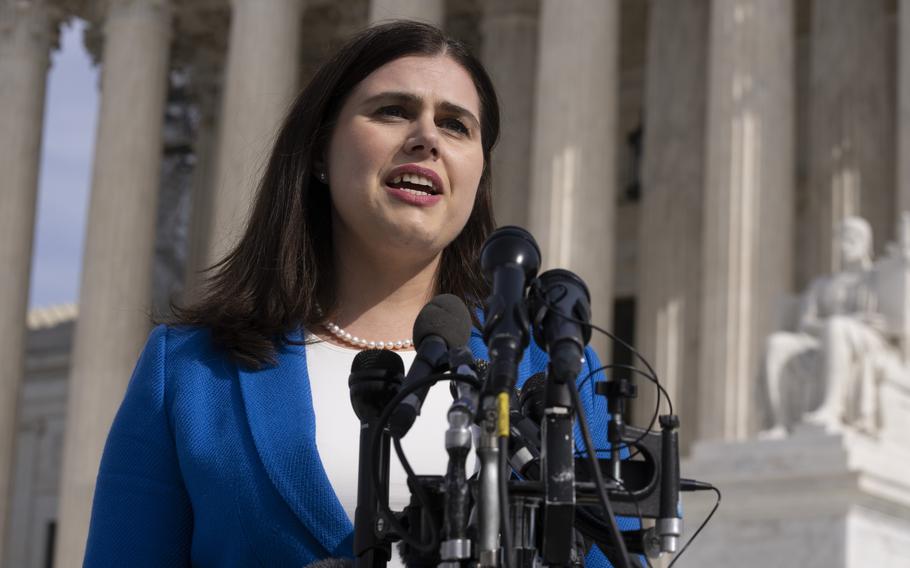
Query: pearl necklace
[346,337]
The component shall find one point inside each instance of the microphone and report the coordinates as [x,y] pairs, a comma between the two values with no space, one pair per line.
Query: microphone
[524,427]
[531,398]
[442,324]
[560,306]
[510,258]
[524,445]
[669,524]
[560,333]
[456,546]
[375,379]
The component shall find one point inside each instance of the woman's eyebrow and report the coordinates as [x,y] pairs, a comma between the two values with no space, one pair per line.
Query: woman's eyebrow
[414,100]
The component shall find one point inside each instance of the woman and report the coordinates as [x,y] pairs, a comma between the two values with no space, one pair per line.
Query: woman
[236,426]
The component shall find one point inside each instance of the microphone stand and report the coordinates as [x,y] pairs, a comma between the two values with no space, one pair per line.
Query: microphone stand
[371,391]
[557,459]
[455,551]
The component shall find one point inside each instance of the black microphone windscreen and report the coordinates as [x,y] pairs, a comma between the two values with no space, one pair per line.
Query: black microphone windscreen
[445,316]
[378,359]
[532,397]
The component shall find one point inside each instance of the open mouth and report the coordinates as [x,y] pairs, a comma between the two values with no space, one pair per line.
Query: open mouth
[414,183]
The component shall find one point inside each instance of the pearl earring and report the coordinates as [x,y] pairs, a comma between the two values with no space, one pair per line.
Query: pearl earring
[323,177]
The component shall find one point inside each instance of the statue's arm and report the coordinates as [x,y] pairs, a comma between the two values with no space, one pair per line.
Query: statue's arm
[809,321]
[871,314]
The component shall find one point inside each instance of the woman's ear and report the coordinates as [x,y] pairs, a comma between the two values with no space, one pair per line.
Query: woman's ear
[319,169]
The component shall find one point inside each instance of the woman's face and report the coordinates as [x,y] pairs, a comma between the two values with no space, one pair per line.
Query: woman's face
[405,157]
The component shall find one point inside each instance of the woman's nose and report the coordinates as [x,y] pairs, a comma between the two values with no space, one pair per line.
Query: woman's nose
[424,139]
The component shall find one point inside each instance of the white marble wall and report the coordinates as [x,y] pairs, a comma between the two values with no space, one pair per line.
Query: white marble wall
[39,445]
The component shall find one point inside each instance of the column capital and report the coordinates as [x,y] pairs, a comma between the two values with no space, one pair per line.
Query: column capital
[101,13]
[112,5]
[432,11]
[511,9]
[298,4]
[41,20]
[117,8]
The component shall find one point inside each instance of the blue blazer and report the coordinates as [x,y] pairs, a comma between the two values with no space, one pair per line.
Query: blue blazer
[211,464]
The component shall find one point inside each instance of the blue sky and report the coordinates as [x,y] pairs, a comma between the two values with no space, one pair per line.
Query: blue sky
[70,117]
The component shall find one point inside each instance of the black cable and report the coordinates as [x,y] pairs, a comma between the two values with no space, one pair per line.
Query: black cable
[650,428]
[505,520]
[376,446]
[661,390]
[641,518]
[598,478]
[697,486]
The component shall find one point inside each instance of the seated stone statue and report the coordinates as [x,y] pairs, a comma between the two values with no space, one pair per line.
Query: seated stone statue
[828,371]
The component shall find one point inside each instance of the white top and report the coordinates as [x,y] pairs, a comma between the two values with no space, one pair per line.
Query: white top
[338,429]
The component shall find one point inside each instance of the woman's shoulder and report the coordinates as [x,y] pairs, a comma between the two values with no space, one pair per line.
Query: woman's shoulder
[183,346]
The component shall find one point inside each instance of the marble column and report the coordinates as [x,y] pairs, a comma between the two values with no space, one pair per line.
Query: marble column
[574,179]
[28,32]
[748,206]
[119,246]
[429,11]
[510,56]
[260,83]
[206,92]
[902,195]
[669,232]
[851,150]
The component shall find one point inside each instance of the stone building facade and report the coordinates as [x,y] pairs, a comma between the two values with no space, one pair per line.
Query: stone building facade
[688,158]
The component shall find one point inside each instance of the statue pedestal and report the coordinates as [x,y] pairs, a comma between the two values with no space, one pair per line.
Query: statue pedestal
[810,500]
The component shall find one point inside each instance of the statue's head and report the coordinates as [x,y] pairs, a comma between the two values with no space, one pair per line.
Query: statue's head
[855,240]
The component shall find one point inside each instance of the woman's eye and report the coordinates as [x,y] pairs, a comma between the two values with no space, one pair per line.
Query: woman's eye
[456,125]
[394,111]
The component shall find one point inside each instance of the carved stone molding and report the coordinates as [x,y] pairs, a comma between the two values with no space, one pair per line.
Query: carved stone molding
[41,18]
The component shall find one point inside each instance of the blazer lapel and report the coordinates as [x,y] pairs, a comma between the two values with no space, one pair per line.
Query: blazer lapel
[279,411]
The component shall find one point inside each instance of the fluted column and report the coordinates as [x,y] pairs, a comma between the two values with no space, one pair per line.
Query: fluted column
[903,108]
[573,198]
[429,11]
[206,89]
[747,259]
[851,150]
[28,31]
[510,56]
[669,234]
[260,83]
[119,245]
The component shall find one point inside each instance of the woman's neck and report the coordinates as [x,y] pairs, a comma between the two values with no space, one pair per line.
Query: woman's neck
[378,299]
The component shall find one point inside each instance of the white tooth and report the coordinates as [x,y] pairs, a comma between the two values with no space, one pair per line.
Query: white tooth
[408,178]
[397,179]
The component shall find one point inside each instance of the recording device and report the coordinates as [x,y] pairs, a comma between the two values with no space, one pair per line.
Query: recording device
[456,546]
[560,308]
[443,323]
[669,524]
[531,502]
[375,378]
[561,312]
[510,258]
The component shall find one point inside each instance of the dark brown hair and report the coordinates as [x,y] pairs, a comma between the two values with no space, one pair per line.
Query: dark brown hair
[273,280]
